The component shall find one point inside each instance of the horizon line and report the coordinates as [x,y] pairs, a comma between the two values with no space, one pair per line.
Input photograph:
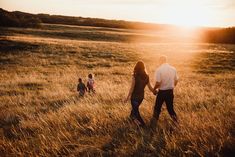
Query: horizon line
[116,19]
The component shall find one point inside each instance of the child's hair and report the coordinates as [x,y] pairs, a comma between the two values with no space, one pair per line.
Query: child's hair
[80,80]
[90,76]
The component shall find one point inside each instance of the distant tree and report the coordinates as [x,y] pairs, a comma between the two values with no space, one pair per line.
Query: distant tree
[223,35]
[18,19]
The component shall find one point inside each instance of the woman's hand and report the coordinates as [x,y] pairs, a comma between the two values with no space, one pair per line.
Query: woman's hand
[126,100]
[155,92]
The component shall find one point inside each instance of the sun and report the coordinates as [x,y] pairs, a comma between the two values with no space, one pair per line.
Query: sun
[188,14]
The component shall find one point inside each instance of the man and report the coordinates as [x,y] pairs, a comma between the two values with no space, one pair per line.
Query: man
[166,80]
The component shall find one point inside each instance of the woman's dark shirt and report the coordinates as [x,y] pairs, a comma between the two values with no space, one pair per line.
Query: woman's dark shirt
[140,82]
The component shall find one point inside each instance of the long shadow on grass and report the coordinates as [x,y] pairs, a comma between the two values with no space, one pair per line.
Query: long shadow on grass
[55,105]
[121,136]
[9,46]
[139,142]
[215,61]
[151,143]
[11,124]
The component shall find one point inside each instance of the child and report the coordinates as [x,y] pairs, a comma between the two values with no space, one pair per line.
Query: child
[90,83]
[81,88]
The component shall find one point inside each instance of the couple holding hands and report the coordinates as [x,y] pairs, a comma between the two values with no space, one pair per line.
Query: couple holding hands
[166,79]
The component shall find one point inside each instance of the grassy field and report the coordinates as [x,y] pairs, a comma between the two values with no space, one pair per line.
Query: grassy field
[42,115]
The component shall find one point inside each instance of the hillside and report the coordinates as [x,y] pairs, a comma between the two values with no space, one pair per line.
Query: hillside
[21,19]
[17,18]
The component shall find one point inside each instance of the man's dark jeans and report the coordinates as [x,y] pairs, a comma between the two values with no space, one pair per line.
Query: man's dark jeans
[135,114]
[166,96]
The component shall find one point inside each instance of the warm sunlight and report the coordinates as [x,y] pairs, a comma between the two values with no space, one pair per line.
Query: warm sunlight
[181,12]
[117,78]
[188,14]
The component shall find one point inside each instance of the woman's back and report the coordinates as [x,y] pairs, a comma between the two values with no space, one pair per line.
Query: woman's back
[141,80]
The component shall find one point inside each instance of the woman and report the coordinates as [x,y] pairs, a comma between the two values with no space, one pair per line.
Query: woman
[139,80]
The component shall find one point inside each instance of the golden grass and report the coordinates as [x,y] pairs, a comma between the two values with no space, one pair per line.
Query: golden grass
[41,114]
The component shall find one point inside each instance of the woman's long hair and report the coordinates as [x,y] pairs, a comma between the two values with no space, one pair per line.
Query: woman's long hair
[139,70]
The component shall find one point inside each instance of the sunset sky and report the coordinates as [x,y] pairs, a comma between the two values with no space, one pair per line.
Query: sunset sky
[181,12]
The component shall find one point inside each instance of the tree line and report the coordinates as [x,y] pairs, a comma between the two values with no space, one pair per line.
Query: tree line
[21,19]
[222,35]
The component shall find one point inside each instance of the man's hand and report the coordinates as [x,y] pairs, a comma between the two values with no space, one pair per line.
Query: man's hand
[157,85]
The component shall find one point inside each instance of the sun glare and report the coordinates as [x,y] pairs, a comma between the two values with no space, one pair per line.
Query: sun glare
[187,15]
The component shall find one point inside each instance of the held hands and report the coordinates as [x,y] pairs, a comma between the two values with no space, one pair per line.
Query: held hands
[155,92]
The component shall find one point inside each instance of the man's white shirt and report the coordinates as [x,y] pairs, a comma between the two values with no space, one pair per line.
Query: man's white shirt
[166,75]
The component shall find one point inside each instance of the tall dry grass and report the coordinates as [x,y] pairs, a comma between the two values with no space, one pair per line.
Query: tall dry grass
[42,115]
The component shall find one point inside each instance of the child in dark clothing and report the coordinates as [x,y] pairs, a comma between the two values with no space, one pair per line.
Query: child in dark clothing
[81,88]
[90,83]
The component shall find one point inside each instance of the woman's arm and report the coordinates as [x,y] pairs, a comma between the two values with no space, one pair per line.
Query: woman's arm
[150,87]
[131,90]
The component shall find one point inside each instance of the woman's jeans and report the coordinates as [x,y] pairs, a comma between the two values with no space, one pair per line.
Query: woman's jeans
[135,114]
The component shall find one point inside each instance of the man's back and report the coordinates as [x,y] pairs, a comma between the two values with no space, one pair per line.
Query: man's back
[166,75]
[166,79]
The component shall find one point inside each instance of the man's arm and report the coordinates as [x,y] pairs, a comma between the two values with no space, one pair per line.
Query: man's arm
[158,82]
[157,85]
[176,82]
[176,78]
